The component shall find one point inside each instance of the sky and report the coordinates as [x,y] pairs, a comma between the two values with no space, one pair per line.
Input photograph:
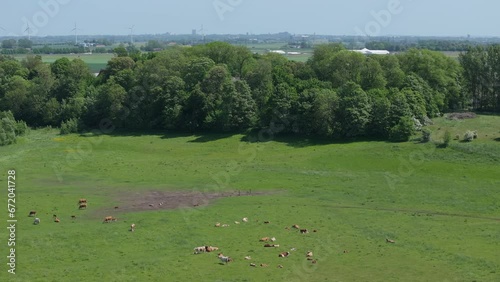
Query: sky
[326,17]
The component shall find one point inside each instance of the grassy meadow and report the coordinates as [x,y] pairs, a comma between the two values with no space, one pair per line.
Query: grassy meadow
[441,206]
[96,62]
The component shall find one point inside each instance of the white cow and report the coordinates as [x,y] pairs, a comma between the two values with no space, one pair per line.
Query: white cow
[37,221]
[224,259]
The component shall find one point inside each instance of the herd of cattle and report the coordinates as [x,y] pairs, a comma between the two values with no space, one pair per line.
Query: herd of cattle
[226,259]
[82,204]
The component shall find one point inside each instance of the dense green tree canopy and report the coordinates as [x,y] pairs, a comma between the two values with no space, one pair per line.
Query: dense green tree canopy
[221,87]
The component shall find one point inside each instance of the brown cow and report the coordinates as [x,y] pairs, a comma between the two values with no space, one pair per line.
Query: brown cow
[303,231]
[271,246]
[56,220]
[265,239]
[82,206]
[32,213]
[284,254]
[209,249]
[81,201]
[109,219]
[390,241]
[295,226]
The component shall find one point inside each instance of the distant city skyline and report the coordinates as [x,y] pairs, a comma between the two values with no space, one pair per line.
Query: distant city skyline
[356,17]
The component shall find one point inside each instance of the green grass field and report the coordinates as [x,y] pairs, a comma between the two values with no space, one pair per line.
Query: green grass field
[96,62]
[441,206]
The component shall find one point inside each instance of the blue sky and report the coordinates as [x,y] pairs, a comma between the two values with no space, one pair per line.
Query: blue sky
[346,17]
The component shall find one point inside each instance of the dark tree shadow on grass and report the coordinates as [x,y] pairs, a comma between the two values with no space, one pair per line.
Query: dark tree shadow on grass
[210,137]
[296,141]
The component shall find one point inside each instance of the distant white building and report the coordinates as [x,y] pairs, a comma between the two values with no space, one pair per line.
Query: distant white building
[278,52]
[366,51]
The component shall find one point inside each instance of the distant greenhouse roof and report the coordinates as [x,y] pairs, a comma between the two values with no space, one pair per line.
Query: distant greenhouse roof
[366,51]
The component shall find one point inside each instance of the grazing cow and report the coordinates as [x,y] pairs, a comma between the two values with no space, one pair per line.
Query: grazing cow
[217,224]
[73,216]
[390,241]
[32,213]
[81,201]
[132,227]
[309,254]
[267,222]
[225,225]
[284,254]
[236,222]
[224,259]
[37,221]
[273,239]
[263,265]
[199,250]
[57,220]
[109,219]
[82,206]
[265,239]
[253,264]
[248,258]
[245,219]
[280,266]
[303,231]
[295,226]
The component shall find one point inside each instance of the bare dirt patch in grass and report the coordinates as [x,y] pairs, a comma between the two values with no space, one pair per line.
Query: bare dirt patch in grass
[168,200]
[457,116]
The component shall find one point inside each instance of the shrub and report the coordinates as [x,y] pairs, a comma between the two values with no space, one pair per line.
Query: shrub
[69,126]
[447,138]
[402,131]
[10,128]
[426,135]
[469,136]
[21,128]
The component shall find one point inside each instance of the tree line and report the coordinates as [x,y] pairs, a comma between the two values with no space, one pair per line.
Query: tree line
[219,87]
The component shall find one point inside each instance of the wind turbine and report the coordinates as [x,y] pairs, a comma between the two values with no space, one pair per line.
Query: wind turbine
[131,34]
[75,29]
[202,31]
[29,31]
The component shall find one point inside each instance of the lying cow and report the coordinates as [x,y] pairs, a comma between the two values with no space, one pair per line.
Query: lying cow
[265,239]
[209,249]
[82,206]
[32,213]
[81,201]
[224,259]
[271,246]
[37,221]
[304,231]
[199,250]
[284,254]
